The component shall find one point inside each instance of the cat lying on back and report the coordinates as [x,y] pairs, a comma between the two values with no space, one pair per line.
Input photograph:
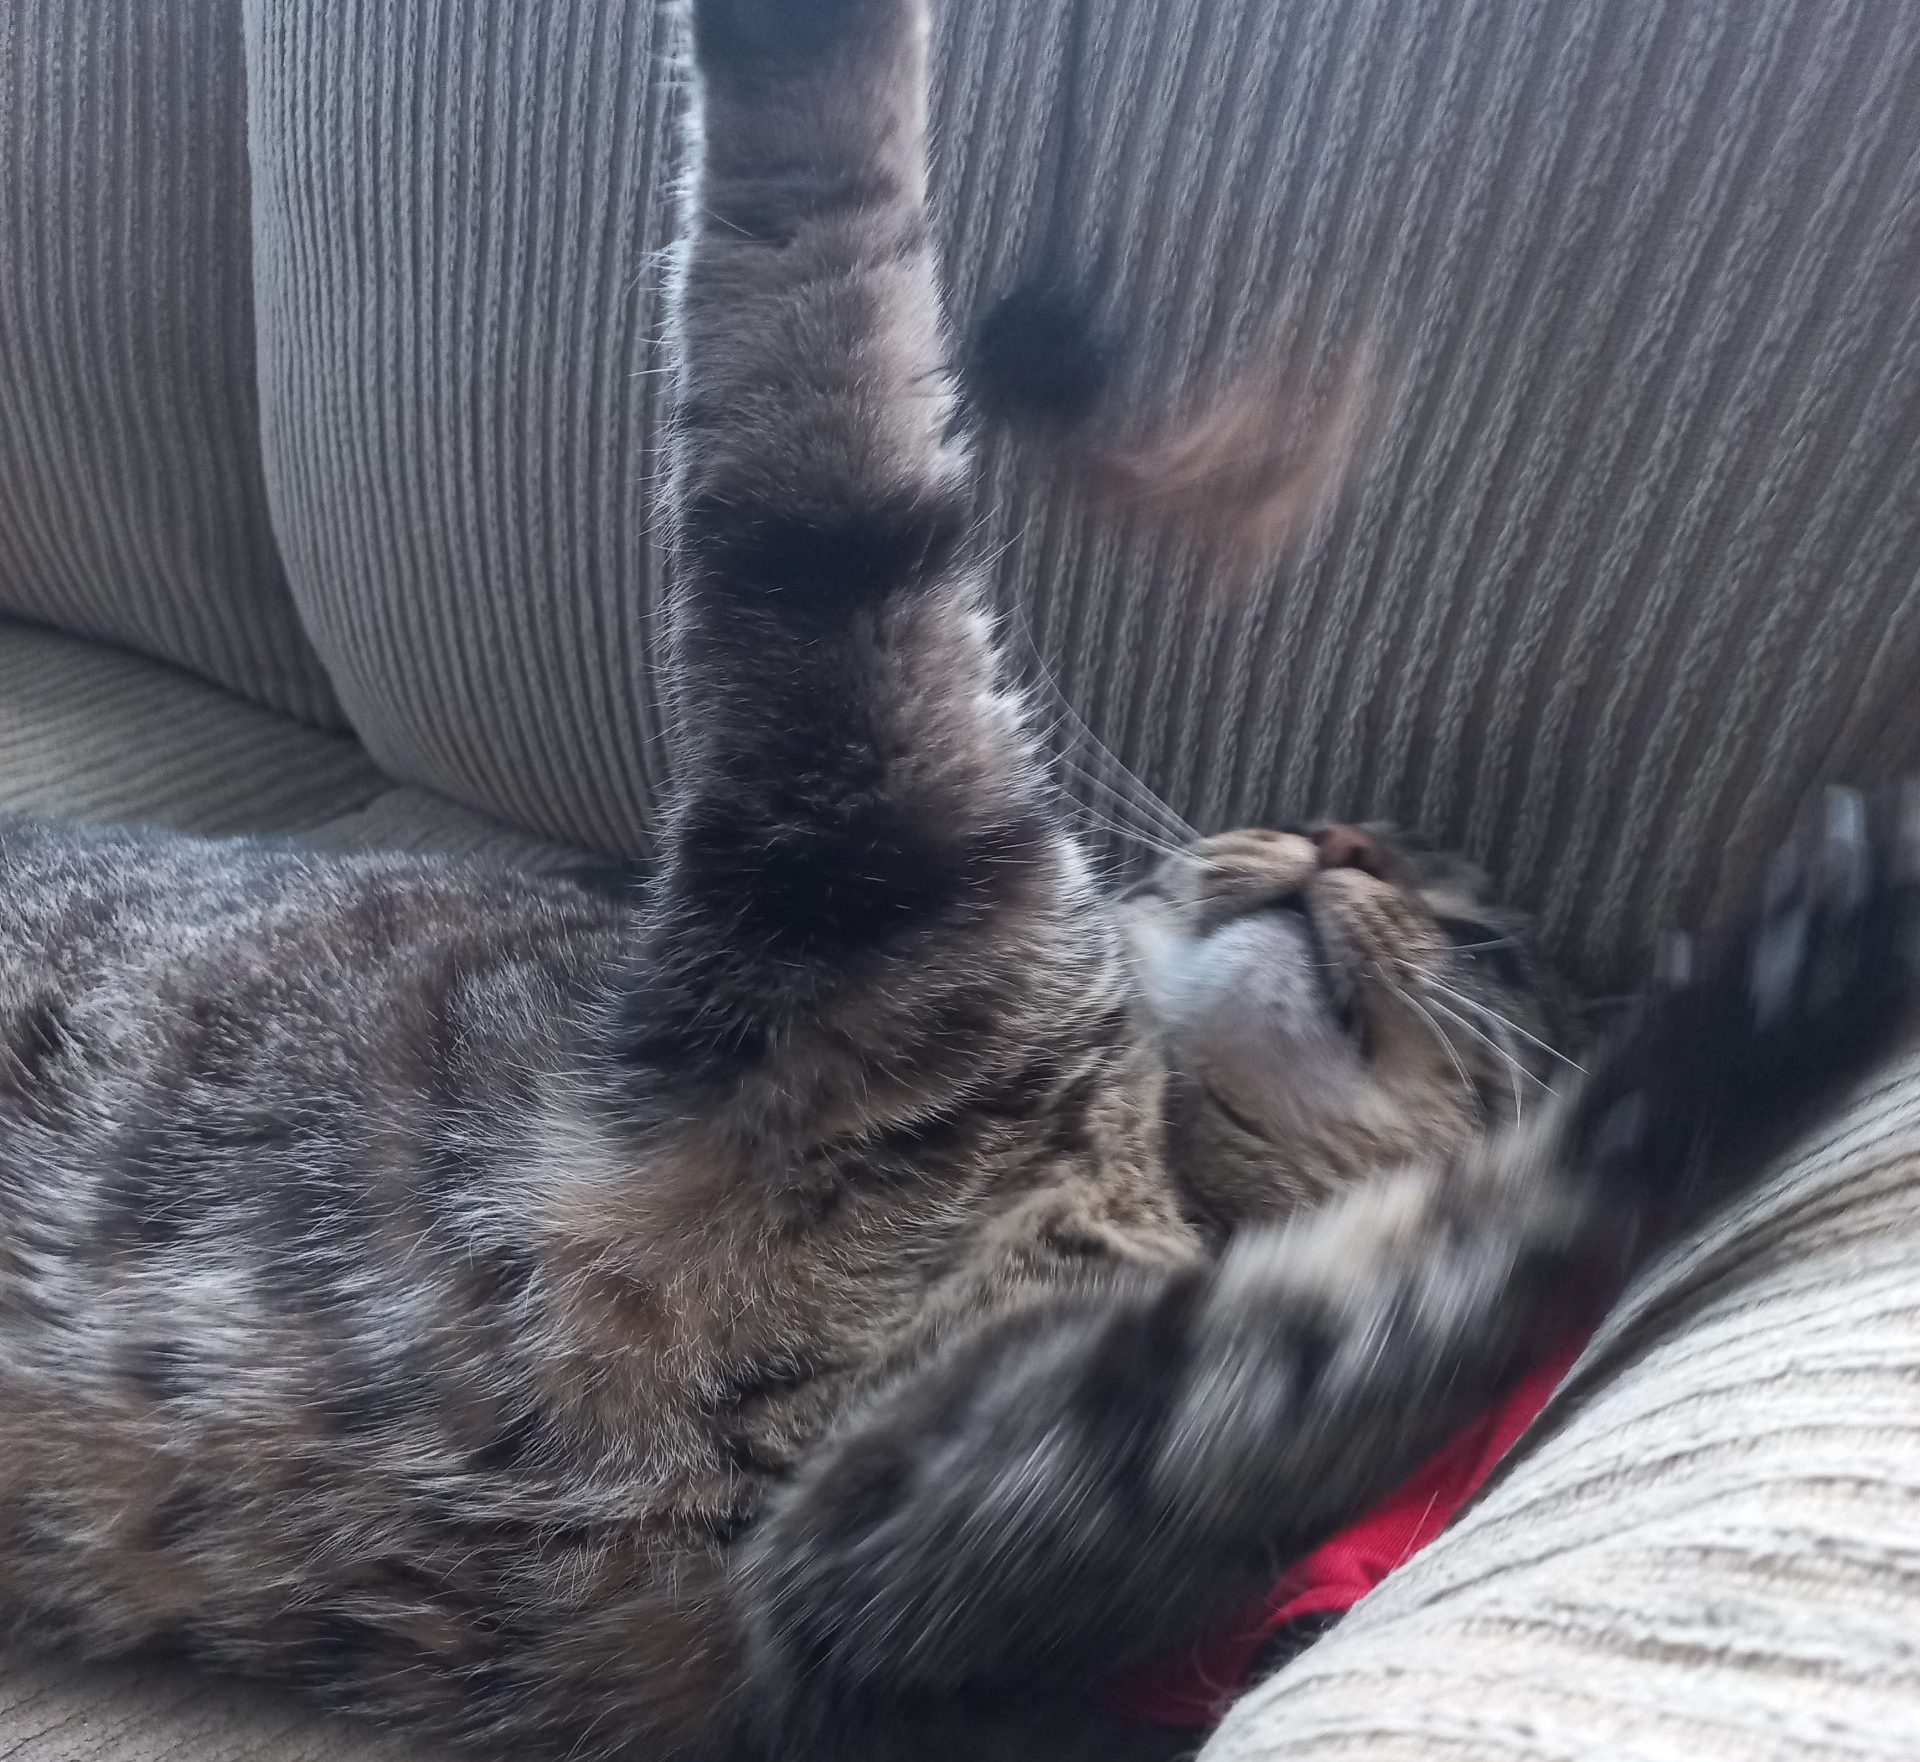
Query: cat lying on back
[838,1306]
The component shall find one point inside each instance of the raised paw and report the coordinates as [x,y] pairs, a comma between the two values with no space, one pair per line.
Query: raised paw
[758,39]
[1750,1031]
[1817,979]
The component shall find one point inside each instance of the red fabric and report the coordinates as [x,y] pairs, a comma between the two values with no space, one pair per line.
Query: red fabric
[1196,1687]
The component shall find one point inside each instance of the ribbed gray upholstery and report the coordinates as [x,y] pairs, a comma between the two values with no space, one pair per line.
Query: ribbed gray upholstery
[1635,558]
[457,210]
[1638,553]
[132,505]
[92,733]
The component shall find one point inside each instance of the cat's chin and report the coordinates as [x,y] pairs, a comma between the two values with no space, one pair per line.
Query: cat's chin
[1263,979]
[1256,1012]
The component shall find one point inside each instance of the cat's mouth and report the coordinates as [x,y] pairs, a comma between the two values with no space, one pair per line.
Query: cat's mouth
[1281,972]
[1330,970]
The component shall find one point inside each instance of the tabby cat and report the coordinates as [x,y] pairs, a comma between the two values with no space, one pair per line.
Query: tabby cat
[842,1303]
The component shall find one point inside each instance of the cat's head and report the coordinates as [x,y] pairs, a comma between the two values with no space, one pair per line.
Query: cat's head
[1332,1001]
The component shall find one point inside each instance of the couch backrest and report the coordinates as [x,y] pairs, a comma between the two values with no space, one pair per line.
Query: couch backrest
[1637,556]
[132,503]
[1635,559]
[458,213]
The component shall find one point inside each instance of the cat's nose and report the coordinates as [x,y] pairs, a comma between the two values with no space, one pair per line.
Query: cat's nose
[1346,847]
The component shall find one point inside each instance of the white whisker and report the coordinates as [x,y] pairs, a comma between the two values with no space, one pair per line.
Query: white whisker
[1493,1015]
[1152,840]
[1515,1069]
[1419,1009]
[1107,822]
[1144,800]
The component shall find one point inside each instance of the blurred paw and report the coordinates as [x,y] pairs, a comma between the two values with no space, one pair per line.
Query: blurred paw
[1748,1032]
[1830,951]
[756,39]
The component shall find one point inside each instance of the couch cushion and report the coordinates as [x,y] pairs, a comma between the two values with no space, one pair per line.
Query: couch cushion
[68,1713]
[1634,557]
[1711,1546]
[132,504]
[93,733]
[457,299]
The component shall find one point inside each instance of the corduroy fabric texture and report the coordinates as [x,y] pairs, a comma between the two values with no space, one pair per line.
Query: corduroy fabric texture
[90,732]
[1636,555]
[132,505]
[93,733]
[1632,562]
[459,210]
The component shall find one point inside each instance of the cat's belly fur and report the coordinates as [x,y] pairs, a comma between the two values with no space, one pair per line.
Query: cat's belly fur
[299,1366]
[265,1383]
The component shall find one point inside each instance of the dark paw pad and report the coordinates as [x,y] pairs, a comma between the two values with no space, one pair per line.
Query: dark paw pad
[753,39]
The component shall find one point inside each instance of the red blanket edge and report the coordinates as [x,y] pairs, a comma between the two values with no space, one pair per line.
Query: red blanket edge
[1197,1686]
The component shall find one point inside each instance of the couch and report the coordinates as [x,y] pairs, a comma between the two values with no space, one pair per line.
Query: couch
[329,349]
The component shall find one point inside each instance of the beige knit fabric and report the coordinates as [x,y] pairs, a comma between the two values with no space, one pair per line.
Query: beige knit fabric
[1711,1552]
[131,500]
[52,1712]
[92,733]
[1634,559]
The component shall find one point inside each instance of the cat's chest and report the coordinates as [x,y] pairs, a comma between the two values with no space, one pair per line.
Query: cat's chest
[739,1309]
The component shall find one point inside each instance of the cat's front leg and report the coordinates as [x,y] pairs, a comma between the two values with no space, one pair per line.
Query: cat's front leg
[1089,1482]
